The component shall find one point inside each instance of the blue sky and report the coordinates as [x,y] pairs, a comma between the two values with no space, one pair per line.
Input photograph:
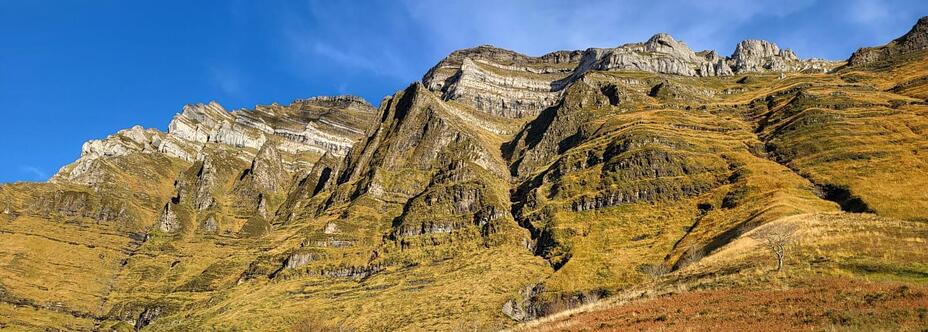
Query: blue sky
[74,70]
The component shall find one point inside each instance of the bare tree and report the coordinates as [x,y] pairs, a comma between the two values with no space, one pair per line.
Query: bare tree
[654,270]
[777,238]
[693,255]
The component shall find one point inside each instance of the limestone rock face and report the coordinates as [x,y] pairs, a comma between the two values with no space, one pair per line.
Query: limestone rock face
[508,96]
[759,55]
[438,77]
[206,180]
[501,82]
[209,226]
[168,222]
[298,260]
[268,170]
[660,54]
[663,54]
[511,85]
[305,125]
[913,41]
[309,126]
[87,171]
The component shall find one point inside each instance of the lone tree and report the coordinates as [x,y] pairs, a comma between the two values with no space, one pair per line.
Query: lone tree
[777,238]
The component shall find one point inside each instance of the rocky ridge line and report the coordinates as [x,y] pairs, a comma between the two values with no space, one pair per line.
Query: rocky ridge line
[913,41]
[511,85]
[316,125]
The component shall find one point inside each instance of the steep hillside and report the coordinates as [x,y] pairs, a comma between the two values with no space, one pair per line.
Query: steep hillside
[858,136]
[500,189]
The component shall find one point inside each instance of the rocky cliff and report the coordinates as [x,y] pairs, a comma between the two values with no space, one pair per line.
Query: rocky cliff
[912,42]
[508,84]
[304,130]
[501,188]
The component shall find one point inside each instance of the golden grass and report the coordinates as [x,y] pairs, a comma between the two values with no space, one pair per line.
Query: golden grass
[720,157]
[857,262]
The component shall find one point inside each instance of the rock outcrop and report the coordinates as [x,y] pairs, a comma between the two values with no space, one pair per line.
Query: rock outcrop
[168,222]
[511,85]
[913,41]
[760,55]
[663,54]
[501,82]
[309,126]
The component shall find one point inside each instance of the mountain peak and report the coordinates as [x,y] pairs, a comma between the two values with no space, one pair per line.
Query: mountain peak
[921,24]
[661,38]
[664,43]
[913,41]
[755,48]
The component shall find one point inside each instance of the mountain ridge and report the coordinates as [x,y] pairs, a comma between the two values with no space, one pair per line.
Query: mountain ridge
[499,189]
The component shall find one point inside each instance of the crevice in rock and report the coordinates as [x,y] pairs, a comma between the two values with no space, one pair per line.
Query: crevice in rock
[146,317]
[844,197]
[532,134]
[246,172]
[611,91]
[532,306]
[655,90]
[323,179]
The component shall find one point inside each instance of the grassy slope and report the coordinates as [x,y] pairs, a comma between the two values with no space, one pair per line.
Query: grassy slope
[855,271]
[846,271]
[432,281]
[73,272]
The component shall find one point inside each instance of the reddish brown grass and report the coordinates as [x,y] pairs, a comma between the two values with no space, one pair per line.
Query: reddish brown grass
[831,304]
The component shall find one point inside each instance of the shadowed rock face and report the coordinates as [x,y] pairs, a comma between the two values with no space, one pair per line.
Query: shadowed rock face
[506,184]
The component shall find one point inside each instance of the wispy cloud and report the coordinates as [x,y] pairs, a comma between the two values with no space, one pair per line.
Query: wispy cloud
[356,60]
[350,36]
[34,172]
[227,79]
[537,27]
[868,11]
[393,43]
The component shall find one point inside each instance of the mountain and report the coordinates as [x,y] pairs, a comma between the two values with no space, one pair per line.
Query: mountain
[912,42]
[500,189]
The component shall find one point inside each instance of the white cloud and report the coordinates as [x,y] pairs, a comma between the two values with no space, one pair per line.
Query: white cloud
[36,173]
[868,11]
[398,41]
[323,34]
[537,27]
[227,79]
[356,60]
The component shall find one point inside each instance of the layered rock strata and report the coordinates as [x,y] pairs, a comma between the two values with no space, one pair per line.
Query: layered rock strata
[511,85]
[313,126]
